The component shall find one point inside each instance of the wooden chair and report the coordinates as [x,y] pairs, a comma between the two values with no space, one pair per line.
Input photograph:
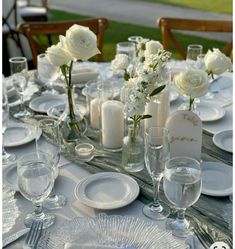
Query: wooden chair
[31,12]
[166,25]
[36,30]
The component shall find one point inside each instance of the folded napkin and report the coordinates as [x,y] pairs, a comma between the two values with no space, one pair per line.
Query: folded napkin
[83,75]
[82,246]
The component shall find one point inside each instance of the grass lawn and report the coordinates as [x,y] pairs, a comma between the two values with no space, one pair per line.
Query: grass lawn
[121,31]
[220,6]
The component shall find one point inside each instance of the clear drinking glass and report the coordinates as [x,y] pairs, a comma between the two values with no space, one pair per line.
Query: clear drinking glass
[19,78]
[49,129]
[35,180]
[182,186]
[157,152]
[47,72]
[127,48]
[193,50]
[6,157]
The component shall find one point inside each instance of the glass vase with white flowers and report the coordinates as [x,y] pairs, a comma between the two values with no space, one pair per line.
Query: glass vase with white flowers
[79,43]
[141,89]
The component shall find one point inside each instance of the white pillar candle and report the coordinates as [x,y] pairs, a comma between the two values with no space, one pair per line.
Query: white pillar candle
[158,108]
[112,121]
[95,113]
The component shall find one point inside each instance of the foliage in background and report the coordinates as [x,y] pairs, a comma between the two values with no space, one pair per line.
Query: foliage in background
[220,6]
[118,32]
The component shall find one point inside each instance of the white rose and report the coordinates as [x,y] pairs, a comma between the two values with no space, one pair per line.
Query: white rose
[217,62]
[120,62]
[152,47]
[58,54]
[193,83]
[81,42]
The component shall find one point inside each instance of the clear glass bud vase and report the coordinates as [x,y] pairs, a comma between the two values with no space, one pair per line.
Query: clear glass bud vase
[72,124]
[133,150]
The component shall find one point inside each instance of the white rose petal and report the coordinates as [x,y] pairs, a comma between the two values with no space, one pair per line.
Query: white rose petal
[58,55]
[217,62]
[81,42]
[193,83]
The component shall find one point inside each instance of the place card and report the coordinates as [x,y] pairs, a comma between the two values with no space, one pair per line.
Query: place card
[185,129]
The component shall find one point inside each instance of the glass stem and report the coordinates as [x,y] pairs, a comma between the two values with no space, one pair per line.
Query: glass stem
[52,195]
[156,185]
[181,215]
[38,209]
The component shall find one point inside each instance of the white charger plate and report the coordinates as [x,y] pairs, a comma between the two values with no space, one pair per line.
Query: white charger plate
[224,140]
[9,176]
[217,179]
[208,113]
[107,190]
[19,134]
[43,103]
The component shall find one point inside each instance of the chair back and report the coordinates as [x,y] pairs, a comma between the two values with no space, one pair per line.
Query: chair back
[36,32]
[166,25]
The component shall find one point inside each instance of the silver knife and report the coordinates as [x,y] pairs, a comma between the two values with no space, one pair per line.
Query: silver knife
[14,237]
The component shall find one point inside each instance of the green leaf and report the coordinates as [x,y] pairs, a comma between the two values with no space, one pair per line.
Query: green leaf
[146,116]
[126,76]
[157,90]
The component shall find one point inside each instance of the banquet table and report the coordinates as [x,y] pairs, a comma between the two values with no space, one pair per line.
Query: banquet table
[213,212]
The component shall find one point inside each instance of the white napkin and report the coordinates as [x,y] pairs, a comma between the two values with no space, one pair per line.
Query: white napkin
[83,75]
[82,246]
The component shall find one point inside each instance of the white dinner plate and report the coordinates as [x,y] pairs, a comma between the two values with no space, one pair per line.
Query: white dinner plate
[208,113]
[217,179]
[107,190]
[9,176]
[19,134]
[43,103]
[224,140]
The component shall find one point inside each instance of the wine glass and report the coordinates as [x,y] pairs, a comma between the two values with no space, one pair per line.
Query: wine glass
[35,180]
[44,144]
[182,186]
[47,72]
[6,157]
[157,152]
[19,72]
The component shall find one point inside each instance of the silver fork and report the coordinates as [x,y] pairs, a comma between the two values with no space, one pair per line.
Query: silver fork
[33,235]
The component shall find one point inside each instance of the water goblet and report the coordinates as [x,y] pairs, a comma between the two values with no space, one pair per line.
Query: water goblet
[157,152]
[193,50]
[47,72]
[6,157]
[50,144]
[35,180]
[127,48]
[182,183]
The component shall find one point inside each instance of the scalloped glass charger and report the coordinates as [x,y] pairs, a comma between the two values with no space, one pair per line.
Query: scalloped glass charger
[114,230]
[10,211]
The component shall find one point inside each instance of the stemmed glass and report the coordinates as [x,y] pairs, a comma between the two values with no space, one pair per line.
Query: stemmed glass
[47,72]
[182,186]
[157,152]
[35,180]
[6,157]
[50,131]
[19,72]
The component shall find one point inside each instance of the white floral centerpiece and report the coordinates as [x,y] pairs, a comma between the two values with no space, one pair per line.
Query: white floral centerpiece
[79,43]
[145,85]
